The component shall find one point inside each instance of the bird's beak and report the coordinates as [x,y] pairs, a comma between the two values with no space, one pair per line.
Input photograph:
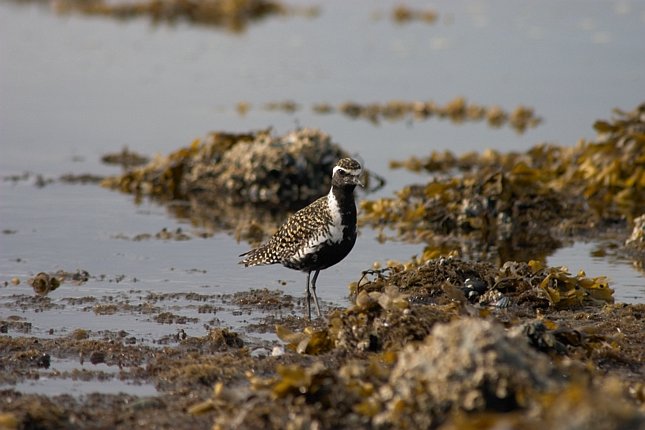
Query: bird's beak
[357,181]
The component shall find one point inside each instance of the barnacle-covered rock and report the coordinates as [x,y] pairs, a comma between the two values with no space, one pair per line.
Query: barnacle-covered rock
[469,365]
[44,283]
[256,167]
[164,177]
[270,169]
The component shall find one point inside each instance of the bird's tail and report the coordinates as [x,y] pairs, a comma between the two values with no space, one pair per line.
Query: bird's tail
[254,257]
[259,256]
[249,257]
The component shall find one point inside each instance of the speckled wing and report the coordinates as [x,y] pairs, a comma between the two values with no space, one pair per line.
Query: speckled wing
[304,228]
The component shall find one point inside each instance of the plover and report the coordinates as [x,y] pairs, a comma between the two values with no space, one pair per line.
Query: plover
[317,236]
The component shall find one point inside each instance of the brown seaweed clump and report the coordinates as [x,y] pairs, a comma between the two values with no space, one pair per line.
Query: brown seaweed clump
[522,204]
[403,14]
[125,158]
[44,283]
[445,280]
[233,15]
[457,110]
[493,214]
[608,172]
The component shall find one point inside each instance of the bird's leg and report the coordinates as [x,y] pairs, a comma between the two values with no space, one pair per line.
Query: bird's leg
[313,286]
[308,294]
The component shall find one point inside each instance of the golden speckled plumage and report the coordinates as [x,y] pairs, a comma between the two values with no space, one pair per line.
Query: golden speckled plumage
[318,235]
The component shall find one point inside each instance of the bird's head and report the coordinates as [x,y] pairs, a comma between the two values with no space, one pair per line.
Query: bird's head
[347,174]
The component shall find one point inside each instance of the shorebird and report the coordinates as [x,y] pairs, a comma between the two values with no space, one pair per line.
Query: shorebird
[317,236]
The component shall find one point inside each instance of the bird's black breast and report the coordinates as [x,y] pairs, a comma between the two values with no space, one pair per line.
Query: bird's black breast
[327,254]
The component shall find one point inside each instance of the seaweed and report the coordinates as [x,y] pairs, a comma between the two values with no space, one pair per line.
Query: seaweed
[521,205]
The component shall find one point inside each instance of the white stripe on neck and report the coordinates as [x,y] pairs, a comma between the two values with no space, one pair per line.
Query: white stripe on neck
[336,229]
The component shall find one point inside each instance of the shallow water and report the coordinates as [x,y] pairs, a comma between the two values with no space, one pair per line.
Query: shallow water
[54,232]
[81,382]
[73,88]
[628,283]
[56,386]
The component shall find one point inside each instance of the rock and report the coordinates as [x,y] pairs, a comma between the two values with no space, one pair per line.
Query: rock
[272,169]
[468,365]
[256,167]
